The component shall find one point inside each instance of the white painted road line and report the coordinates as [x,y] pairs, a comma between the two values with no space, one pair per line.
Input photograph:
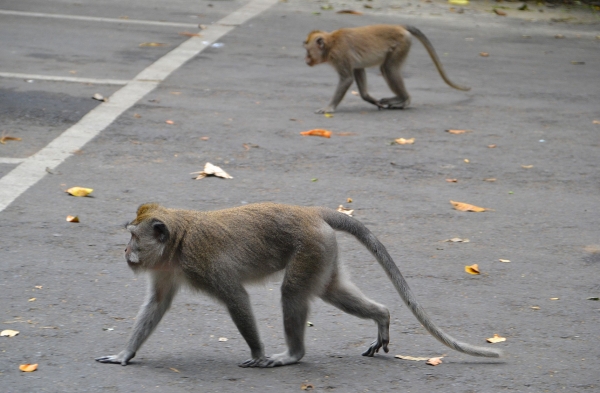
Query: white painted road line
[33,169]
[8,160]
[96,19]
[94,81]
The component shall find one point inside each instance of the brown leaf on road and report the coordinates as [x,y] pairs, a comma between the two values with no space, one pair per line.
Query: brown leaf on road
[171,122]
[307,386]
[5,138]
[72,219]
[174,369]
[456,132]
[491,146]
[351,12]
[152,44]
[317,132]
[452,180]
[211,170]
[79,191]
[490,179]
[526,166]
[499,12]
[504,260]
[496,339]
[596,122]
[473,269]
[28,367]
[406,357]
[457,240]
[188,34]
[465,207]
[402,141]
[484,54]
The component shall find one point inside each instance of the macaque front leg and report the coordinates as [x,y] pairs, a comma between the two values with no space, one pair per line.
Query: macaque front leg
[361,81]
[160,296]
[342,87]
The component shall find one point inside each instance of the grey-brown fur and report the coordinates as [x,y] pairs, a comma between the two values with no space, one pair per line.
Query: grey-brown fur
[351,50]
[218,251]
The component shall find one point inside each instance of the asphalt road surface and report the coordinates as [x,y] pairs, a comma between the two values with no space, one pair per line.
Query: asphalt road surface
[238,96]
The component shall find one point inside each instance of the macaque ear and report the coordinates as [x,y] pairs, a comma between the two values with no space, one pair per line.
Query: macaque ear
[160,231]
[320,43]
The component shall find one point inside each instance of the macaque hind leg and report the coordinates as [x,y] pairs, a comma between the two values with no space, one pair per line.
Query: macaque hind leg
[343,294]
[390,69]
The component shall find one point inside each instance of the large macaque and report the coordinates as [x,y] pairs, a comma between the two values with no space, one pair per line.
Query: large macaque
[217,252]
[351,50]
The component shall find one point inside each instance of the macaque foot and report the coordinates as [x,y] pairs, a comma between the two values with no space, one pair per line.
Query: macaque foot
[394,103]
[327,109]
[254,362]
[375,346]
[122,358]
[280,359]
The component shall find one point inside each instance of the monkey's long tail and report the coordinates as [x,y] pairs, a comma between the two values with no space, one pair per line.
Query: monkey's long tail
[436,60]
[342,222]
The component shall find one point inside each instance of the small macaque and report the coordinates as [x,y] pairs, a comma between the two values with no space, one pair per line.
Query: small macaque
[351,50]
[218,252]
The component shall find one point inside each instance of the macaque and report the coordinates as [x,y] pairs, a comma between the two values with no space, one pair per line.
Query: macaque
[217,252]
[351,50]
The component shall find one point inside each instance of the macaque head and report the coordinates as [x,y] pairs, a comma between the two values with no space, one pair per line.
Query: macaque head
[316,48]
[149,237]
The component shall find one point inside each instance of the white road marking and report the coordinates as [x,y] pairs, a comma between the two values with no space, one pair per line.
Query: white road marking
[8,160]
[63,78]
[96,19]
[33,169]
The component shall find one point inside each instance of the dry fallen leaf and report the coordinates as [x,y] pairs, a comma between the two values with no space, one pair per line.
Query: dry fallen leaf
[452,180]
[210,169]
[344,210]
[38,287]
[317,132]
[99,97]
[137,115]
[465,207]
[349,200]
[402,141]
[473,269]
[416,359]
[72,219]
[32,299]
[457,240]
[534,307]
[79,191]
[328,115]
[504,260]
[354,93]
[559,36]
[28,367]
[307,386]
[5,138]
[223,339]
[171,122]
[152,44]
[8,333]
[467,160]
[351,12]
[491,146]
[490,179]
[527,166]
[204,138]
[484,54]
[457,131]
[499,12]
[596,122]
[553,298]
[434,361]
[188,34]
[173,369]
[496,339]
